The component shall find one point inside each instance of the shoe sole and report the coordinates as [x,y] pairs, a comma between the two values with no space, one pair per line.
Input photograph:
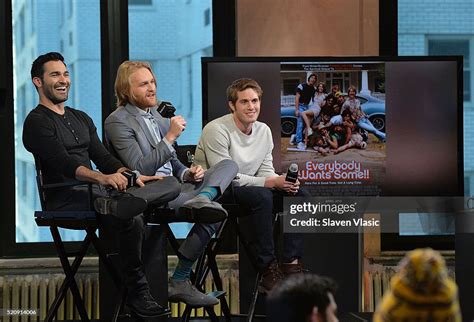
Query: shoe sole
[126,207]
[166,312]
[180,300]
[205,215]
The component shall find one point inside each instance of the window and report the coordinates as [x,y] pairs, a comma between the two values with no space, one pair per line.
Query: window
[344,80]
[85,67]
[179,42]
[454,47]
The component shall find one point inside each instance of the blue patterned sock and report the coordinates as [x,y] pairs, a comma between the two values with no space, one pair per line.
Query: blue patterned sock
[183,270]
[209,192]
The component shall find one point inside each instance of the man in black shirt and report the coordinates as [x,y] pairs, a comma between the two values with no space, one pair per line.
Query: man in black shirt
[304,94]
[65,141]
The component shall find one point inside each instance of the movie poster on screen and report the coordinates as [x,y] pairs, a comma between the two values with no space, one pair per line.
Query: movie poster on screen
[338,139]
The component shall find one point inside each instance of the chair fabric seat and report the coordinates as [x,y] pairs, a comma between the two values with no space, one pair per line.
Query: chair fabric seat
[76,220]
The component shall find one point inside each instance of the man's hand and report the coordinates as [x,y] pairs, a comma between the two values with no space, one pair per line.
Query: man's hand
[280,183]
[194,174]
[177,126]
[114,180]
[141,180]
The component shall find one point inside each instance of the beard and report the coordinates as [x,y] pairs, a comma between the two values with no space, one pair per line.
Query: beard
[55,99]
[144,102]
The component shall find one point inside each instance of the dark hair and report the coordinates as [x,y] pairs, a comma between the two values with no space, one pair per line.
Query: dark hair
[346,112]
[311,75]
[321,84]
[37,69]
[294,298]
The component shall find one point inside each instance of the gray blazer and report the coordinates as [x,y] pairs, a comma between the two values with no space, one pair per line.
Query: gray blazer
[127,133]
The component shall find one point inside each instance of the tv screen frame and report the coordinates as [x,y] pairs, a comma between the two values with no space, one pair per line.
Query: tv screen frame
[389,241]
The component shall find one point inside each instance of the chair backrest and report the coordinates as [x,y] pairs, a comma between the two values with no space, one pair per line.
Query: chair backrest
[43,188]
[40,182]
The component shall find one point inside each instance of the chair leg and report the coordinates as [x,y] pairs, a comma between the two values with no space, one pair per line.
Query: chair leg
[120,303]
[105,260]
[172,239]
[186,314]
[251,312]
[206,263]
[69,281]
[212,314]
[212,264]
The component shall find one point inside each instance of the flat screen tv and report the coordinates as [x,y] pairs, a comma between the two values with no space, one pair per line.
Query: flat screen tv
[411,144]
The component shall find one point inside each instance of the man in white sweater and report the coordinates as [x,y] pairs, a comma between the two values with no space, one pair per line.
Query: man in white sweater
[238,136]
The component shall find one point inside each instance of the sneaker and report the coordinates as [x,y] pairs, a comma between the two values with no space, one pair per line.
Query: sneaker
[185,291]
[301,146]
[270,277]
[124,206]
[201,209]
[290,269]
[310,131]
[293,139]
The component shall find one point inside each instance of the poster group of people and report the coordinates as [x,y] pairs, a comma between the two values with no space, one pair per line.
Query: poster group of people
[330,122]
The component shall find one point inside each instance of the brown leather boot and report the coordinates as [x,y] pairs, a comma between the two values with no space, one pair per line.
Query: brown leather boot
[289,269]
[271,277]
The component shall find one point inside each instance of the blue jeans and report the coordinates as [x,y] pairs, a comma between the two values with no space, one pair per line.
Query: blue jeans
[300,123]
[365,124]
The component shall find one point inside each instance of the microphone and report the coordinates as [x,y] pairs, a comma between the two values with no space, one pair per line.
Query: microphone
[166,109]
[292,174]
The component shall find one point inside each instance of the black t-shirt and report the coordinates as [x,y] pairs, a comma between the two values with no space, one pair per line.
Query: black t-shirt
[65,142]
[306,93]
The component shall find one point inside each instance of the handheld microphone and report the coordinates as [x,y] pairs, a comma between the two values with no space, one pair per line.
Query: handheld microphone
[166,109]
[292,174]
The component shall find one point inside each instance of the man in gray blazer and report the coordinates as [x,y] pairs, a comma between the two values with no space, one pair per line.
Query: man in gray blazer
[144,140]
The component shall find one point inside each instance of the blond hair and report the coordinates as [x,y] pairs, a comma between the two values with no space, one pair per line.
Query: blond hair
[122,87]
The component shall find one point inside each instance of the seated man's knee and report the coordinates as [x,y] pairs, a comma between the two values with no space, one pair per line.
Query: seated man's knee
[259,196]
[231,166]
[173,186]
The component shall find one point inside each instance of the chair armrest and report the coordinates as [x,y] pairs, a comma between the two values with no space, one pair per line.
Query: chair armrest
[43,188]
[65,184]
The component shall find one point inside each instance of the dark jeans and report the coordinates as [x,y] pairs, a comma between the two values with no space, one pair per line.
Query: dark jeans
[262,203]
[132,231]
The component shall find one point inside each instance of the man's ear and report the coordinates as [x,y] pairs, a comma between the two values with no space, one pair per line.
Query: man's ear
[315,317]
[37,81]
[231,107]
